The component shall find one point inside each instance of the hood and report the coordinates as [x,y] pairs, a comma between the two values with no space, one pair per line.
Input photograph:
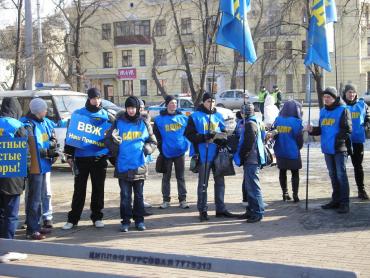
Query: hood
[291,108]
[11,107]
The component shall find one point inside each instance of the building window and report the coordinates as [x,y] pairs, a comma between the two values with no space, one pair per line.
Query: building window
[288,50]
[126,58]
[107,59]
[270,50]
[213,55]
[303,49]
[160,27]
[238,57]
[368,81]
[185,89]
[142,57]
[186,26]
[269,81]
[160,57]
[132,32]
[128,87]
[289,83]
[106,31]
[143,87]
[368,46]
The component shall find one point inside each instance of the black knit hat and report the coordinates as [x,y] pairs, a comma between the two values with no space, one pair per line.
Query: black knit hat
[350,87]
[93,92]
[247,109]
[168,99]
[331,91]
[132,101]
[207,96]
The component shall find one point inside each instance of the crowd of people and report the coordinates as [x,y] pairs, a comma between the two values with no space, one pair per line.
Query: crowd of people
[129,141]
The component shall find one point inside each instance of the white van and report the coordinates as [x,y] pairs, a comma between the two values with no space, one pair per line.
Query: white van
[61,105]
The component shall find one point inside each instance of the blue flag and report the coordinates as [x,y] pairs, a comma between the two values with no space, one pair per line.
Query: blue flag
[323,12]
[233,23]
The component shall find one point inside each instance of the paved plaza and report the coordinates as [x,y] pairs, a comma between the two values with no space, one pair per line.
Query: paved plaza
[288,234]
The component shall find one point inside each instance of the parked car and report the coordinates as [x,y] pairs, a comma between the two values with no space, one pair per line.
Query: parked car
[186,106]
[233,99]
[61,105]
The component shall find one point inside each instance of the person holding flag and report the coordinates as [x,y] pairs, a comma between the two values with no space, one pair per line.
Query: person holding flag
[201,129]
[335,127]
[88,157]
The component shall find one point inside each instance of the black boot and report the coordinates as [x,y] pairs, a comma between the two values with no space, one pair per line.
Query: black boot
[295,185]
[283,184]
[203,216]
[362,194]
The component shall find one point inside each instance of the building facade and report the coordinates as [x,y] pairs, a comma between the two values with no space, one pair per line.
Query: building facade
[128,37]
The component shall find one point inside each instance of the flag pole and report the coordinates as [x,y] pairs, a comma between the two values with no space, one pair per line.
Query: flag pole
[335,57]
[205,180]
[308,91]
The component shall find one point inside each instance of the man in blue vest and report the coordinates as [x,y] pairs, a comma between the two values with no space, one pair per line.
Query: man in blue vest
[201,129]
[335,127]
[360,119]
[131,140]
[43,150]
[10,188]
[88,161]
[252,157]
[169,129]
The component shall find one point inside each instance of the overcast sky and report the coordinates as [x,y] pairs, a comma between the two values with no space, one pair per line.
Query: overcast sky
[9,16]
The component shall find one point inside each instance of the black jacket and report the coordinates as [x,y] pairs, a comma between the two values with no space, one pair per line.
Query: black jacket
[342,141]
[248,150]
[11,108]
[149,148]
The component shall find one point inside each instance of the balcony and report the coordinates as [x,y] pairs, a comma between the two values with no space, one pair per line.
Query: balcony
[132,39]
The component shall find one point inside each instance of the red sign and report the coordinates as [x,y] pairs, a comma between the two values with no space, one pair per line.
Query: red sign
[128,74]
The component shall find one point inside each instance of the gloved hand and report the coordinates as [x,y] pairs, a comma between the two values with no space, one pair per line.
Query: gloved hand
[116,138]
[52,152]
[220,142]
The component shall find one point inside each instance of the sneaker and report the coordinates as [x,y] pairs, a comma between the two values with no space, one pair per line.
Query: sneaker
[124,228]
[330,205]
[68,226]
[363,195]
[165,205]
[245,204]
[184,205]
[48,224]
[36,236]
[99,224]
[140,226]
[12,256]
[147,205]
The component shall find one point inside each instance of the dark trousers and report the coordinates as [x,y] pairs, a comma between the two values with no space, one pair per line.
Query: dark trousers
[357,157]
[179,172]
[126,211]
[203,185]
[9,207]
[97,169]
[283,180]
[336,164]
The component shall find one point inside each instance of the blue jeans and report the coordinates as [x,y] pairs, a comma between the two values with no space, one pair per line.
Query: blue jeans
[36,184]
[126,210]
[336,164]
[219,190]
[252,184]
[9,207]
